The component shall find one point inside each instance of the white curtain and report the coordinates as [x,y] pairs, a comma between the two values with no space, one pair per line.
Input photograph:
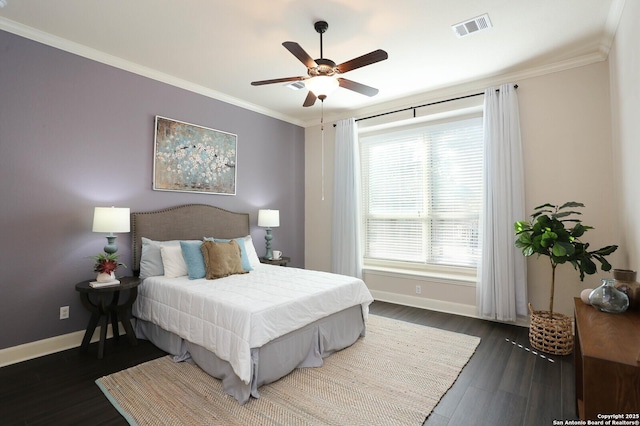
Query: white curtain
[346,252]
[501,288]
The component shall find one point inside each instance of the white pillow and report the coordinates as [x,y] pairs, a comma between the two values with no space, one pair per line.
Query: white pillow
[173,262]
[254,261]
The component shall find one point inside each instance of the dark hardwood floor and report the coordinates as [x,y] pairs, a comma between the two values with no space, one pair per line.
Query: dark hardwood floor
[59,389]
[503,384]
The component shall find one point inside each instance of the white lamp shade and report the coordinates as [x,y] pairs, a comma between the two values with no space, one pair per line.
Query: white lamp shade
[321,85]
[111,219]
[269,218]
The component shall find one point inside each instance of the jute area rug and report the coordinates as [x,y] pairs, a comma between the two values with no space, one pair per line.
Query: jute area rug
[394,376]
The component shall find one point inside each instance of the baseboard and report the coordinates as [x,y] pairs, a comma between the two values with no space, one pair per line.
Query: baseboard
[434,305]
[48,346]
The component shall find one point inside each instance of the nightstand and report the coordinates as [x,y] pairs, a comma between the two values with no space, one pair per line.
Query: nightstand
[104,306]
[280,262]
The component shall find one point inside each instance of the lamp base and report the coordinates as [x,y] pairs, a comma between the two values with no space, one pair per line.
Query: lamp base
[111,246]
[268,238]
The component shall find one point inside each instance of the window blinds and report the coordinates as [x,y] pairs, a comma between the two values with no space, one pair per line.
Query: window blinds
[422,193]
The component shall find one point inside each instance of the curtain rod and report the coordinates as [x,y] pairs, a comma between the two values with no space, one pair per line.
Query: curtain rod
[515,86]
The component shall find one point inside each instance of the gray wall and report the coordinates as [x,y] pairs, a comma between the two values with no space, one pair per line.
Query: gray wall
[75,134]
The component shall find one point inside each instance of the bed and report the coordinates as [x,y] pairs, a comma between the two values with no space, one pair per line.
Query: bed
[247,329]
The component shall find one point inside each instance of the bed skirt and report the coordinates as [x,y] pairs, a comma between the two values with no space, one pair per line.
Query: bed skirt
[305,347]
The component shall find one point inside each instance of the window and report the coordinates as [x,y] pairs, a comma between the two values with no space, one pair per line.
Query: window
[422,193]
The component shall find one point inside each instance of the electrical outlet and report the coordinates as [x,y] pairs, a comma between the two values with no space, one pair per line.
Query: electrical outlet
[418,289]
[64,312]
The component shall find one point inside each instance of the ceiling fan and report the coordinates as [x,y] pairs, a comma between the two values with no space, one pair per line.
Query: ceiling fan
[322,72]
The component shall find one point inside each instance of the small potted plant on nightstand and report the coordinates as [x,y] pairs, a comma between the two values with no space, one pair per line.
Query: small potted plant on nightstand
[106,265]
[547,234]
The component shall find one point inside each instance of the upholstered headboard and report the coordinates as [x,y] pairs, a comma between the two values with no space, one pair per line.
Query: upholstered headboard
[187,222]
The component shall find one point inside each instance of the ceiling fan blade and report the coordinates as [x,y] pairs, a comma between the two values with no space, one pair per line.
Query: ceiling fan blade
[361,61]
[300,53]
[277,80]
[310,100]
[357,87]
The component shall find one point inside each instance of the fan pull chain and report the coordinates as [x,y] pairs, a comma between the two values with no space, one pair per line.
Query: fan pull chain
[322,138]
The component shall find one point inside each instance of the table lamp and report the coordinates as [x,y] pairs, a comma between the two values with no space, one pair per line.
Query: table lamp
[111,219]
[268,219]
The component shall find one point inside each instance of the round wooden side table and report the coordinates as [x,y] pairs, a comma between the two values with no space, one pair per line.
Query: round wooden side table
[106,306]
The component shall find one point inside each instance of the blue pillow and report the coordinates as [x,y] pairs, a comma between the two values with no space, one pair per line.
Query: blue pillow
[246,265]
[194,259]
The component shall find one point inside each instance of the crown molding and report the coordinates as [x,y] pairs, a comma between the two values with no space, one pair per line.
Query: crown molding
[464,88]
[114,61]
[437,93]
[611,26]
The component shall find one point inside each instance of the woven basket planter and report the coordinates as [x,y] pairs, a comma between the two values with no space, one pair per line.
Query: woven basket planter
[551,335]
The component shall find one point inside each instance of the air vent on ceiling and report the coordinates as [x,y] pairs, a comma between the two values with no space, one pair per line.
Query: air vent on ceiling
[296,85]
[479,23]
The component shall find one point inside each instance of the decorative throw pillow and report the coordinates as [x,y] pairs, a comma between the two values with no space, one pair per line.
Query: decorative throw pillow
[172,261]
[250,260]
[246,265]
[193,258]
[222,259]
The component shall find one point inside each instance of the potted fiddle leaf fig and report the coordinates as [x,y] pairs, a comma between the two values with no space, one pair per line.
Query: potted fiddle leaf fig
[555,231]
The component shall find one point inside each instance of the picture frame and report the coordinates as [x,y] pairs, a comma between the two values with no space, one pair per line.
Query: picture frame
[192,158]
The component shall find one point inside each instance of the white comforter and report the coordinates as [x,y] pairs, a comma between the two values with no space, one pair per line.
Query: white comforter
[231,315]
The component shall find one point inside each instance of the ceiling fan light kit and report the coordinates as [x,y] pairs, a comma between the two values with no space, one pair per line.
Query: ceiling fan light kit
[321,85]
[322,73]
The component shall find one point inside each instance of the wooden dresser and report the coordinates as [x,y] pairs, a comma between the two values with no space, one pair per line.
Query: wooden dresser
[607,363]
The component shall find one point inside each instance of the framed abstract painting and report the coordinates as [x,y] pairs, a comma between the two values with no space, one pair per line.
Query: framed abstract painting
[191,158]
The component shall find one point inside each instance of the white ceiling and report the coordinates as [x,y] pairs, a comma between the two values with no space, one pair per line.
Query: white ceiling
[217,47]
